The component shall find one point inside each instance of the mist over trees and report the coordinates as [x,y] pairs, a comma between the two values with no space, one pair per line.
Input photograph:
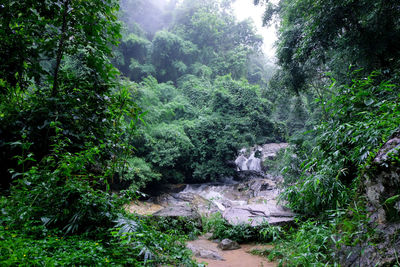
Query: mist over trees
[203,80]
[103,101]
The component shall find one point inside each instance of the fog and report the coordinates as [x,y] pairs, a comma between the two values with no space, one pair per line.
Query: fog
[154,15]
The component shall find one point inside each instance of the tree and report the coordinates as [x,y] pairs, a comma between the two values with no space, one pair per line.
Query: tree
[328,36]
[35,33]
[171,55]
[55,68]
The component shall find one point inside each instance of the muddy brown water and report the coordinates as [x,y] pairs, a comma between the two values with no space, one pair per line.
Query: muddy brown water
[233,258]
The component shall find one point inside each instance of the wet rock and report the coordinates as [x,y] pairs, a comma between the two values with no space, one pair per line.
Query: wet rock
[227,244]
[259,186]
[381,189]
[184,212]
[203,253]
[208,236]
[204,206]
[257,214]
[250,201]
[177,211]
[382,181]
[251,197]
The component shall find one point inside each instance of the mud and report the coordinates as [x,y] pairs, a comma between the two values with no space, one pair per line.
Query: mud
[232,258]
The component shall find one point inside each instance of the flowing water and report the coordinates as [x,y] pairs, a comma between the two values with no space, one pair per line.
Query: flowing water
[232,258]
[251,199]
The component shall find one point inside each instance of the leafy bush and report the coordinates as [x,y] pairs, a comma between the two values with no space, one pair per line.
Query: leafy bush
[178,226]
[150,245]
[241,233]
[309,245]
[137,173]
[131,243]
[60,192]
[362,116]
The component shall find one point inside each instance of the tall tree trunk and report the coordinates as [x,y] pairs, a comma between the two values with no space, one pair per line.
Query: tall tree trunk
[60,50]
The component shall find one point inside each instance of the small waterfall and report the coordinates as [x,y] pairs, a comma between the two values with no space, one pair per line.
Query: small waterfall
[256,156]
[250,199]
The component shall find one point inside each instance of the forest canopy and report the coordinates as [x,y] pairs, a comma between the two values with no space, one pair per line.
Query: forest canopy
[102,102]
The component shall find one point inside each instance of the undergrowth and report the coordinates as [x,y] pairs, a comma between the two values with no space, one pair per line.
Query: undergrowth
[241,233]
[130,243]
[59,214]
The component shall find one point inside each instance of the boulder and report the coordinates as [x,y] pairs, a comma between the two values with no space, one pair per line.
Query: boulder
[227,244]
[382,181]
[257,214]
[381,189]
[183,211]
[203,253]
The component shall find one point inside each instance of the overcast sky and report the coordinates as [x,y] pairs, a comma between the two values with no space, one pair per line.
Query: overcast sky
[246,9]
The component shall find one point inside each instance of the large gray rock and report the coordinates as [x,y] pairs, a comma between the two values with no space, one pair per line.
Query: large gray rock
[382,180]
[177,211]
[183,211]
[381,188]
[204,253]
[227,244]
[241,163]
[257,214]
[253,201]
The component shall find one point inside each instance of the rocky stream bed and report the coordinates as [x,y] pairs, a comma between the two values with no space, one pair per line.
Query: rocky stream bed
[251,198]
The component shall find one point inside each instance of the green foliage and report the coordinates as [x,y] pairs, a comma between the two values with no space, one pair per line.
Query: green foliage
[171,54]
[168,149]
[150,245]
[192,131]
[54,249]
[321,243]
[349,120]
[241,233]
[60,192]
[177,226]
[60,59]
[390,208]
[214,143]
[309,245]
[331,35]
[200,108]
[34,33]
[202,33]
[362,115]
[221,229]
[67,127]
[130,242]
[132,55]
[138,173]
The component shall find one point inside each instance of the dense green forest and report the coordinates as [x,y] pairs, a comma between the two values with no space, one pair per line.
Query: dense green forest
[104,101]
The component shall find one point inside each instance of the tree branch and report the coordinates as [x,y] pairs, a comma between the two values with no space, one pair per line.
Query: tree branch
[60,50]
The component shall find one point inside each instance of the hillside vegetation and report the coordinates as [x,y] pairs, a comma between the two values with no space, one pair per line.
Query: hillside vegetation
[104,100]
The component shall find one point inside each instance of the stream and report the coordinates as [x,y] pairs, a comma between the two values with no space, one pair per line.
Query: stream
[231,258]
[251,198]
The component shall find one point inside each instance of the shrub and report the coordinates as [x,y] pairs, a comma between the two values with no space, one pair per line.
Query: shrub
[362,115]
